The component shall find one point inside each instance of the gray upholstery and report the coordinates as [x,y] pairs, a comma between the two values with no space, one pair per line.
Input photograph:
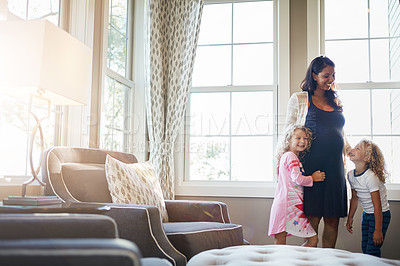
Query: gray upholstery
[78,175]
[47,225]
[66,239]
[69,252]
[192,238]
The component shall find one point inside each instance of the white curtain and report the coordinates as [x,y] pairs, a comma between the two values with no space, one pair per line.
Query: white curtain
[172,34]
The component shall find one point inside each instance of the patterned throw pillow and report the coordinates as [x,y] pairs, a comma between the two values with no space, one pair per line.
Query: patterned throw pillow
[134,184]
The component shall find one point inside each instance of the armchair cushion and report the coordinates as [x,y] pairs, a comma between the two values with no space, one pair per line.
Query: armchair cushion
[95,189]
[134,184]
[191,238]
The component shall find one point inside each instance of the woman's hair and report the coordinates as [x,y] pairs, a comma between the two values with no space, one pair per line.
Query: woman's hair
[310,85]
[375,160]
[284,144]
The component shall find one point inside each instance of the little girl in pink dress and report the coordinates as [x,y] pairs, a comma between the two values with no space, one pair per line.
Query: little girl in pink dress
[287,216]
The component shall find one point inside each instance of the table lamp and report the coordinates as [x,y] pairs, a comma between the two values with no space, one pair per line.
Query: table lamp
[39,60]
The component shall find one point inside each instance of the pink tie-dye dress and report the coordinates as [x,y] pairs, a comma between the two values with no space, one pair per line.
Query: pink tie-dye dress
[287,209]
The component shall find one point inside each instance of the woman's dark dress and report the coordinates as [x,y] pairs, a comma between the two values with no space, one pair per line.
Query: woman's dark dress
[327,198]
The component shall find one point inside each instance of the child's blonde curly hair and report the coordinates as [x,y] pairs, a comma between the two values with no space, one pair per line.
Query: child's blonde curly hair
[284,144]
[375,159]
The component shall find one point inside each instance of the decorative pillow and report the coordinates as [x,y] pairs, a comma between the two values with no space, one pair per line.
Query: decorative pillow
[135,183]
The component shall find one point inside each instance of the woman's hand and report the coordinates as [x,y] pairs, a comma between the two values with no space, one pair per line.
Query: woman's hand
[318,176]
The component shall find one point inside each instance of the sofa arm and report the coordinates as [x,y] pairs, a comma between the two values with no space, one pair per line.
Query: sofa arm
[197,211]
[56,225]
[142,225]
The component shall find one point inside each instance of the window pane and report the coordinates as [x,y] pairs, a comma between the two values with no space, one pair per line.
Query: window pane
[18,7]
[356,109]
[107,138]
[379,18]
[394,48]
[350,58]
[118,15]
[116,51]
[253,64]
[253,22]
[258,166]
[115,115]
[252,113]
[380,60]
[209,158]
[40,9]
[209,113]
[117,36]
[216,24]
[35,9]
[108,101]
[212,66]
[381,111]
[118,141]
[346,19]
[14,136]
[391,152]
[395,111]
[16,127]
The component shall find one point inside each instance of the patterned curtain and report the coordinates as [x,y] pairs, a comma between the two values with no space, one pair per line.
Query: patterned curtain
[172,34]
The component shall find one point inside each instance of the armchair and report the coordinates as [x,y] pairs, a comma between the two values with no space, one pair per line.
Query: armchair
[78,175]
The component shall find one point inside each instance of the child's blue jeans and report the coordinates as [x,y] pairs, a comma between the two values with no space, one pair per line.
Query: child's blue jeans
[368,228]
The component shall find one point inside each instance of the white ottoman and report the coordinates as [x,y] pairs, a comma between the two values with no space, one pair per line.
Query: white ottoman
[259,255]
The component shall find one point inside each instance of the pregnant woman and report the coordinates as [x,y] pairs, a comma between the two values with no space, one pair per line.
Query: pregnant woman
[319,109]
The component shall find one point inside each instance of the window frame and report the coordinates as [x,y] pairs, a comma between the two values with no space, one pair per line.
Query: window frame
[127,145]
[392,188]
[281,65]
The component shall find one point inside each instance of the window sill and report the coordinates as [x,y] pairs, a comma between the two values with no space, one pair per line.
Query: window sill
[226,189]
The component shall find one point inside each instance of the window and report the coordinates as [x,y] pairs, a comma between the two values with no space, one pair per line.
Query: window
[364,43]
[117,93]
[34,10]
[15,122]
[230,135]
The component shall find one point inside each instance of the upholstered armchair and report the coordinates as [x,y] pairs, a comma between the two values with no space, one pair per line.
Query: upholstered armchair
[78,175]
[66,239]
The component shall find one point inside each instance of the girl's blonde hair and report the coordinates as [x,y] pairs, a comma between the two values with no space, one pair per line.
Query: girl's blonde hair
[375,159]
[284,144]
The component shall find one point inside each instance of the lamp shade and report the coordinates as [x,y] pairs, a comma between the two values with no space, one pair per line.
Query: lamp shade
[37,56]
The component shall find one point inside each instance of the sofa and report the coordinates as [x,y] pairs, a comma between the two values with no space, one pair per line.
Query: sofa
[78,175]
[48,239]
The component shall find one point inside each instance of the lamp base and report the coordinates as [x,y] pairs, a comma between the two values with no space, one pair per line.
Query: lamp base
[32,200]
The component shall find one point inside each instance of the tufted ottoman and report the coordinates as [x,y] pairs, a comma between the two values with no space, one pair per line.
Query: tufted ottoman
[284,255]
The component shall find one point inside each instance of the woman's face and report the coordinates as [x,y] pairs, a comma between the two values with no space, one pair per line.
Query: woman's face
[325,79]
